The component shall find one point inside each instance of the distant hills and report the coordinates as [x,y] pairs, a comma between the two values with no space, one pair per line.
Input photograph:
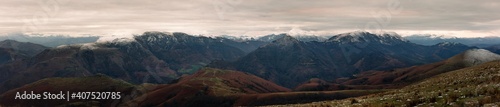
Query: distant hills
[49,40]
[429,39]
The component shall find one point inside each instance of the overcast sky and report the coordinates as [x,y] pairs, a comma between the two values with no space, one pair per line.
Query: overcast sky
[463,18]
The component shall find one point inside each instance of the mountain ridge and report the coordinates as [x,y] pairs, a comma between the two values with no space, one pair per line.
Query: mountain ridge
[305,60]
[165,56]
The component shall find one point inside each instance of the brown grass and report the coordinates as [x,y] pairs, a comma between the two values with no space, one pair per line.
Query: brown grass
[473,86]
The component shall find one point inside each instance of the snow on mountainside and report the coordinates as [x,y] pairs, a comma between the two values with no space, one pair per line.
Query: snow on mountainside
[431,36]
[116,39]
[99,43]
[305,38]
[297,33]
[362,36]
[428,39]
[479,56]
[358,36]
[340,56]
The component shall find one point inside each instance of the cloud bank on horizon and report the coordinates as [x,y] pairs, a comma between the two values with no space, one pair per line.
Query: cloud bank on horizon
[461,18]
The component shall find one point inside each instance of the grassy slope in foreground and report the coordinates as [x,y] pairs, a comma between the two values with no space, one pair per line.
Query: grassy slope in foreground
[472,86]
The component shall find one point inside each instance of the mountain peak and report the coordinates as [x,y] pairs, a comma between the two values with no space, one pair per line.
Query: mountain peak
[363,36]
[167,37]
[286,39]
[156,33]
[152,36]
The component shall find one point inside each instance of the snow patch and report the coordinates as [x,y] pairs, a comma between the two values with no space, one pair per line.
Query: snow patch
[432,36]
[116,39]
[479,56]
[62,46]
[156,37]
[88,46]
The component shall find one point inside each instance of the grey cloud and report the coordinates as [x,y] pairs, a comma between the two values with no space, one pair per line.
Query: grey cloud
[232,17]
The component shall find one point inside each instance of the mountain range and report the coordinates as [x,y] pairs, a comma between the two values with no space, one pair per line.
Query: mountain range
[178,69]
[289,62]
[430,39]
[49,40]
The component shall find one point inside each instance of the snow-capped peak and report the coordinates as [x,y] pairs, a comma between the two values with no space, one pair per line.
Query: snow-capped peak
[363,36]
[155,36]
[121,39]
